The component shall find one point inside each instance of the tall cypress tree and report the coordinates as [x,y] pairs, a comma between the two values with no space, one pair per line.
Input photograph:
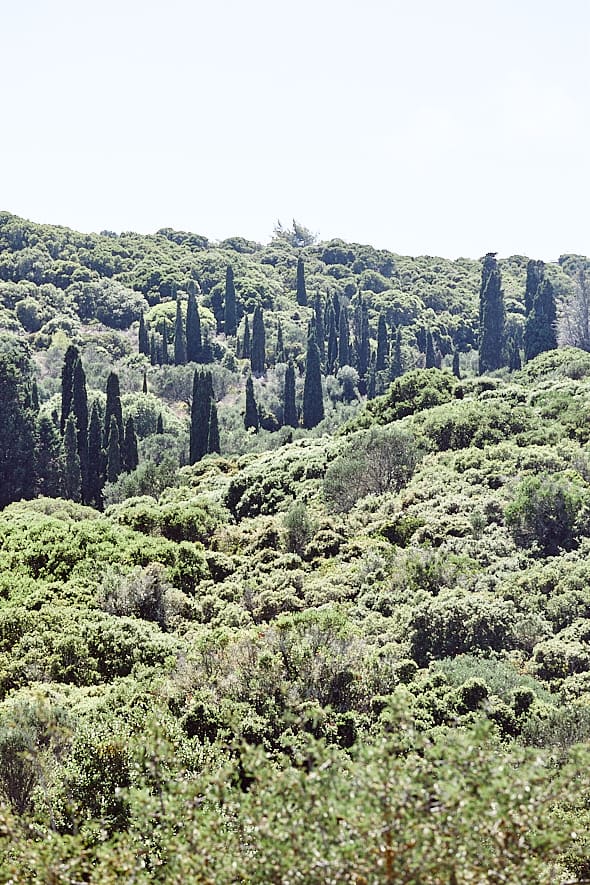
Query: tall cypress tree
[382,344]
[258,348]
[362,346]
[144,341]
[540,328]
[200,416]
[49,460]
[213,444]
[280,348]
[456,364]
[301,291]
[251,418]
[153,350]
[336,308]
[194,340]
[332,355]
[343,339]
[289,405]
[492,317]
[396,368]
[72,474]
[179,338]
[165,359]
[535,274]
[114,459]
[67,384]
[144,386]
[160,423]
[80,412]
[130,455]
[230,314]
[34,396]
[320,327]
[95,458]
[113,408]
[313,400]
[247,345]
[430,354]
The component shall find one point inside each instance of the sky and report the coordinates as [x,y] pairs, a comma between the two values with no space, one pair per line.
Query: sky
[448,128]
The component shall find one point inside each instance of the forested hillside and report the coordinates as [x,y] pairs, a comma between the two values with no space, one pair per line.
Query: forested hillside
[294,580]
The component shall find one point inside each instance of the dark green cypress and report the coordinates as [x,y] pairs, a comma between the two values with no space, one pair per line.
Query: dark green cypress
[200,416]
[213,444]
[80,412]
[230,315]
[130,455]
[160,424]
[372,383]
[95,458]
[165,359]
[113,408]
[114,459]
[246,346]
[535,274]
[251,418]
[153,350]
[430,354]
[72,474]
[313,400]
[35,396]
[332,355]
[49,461]
[456,364]
[194,339]
[301,291]
[67,384]
[280,347]
[382,344]
[514,361]
[492,317]
[144,387]
[144,341]
[320,327]
[343,339]
[396,368]
[540,327]
[179,339]
[289,405]
[258,349]
[362,345]
[336,308]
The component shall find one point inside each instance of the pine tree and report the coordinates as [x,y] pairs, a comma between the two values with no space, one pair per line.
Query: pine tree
[301,291]
[382,344]
[194,340]
[200,415]
[79,409]
[540,328]
[313,401]
[130,455]
[280,347]
[396,368]
[430,354]
[320,326]
[251,414]
[258,348]
[67,384]
[179,339]
[343,339]
[289,405]
[332,355]
[72,474]
[246,346]
[49,461]
[95,458]
[113,408]
[230,315]
[535,274]
[492,317]
[456,364]
[213,444]
[144,341]
[114,459]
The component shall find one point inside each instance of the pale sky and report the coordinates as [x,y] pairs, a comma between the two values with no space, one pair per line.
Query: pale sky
[441,127]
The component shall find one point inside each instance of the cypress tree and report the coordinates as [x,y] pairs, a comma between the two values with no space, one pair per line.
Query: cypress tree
[67,384]
[258,348]
[194,340]
[372,383]
[540,327]
[144,341]
[396,368]
[130,455]
[313,402]
[492,317]
[230,316]
[153,350]
[336,308]
[200,415]
[382,344]
[332,342]
[344,340]
[95,458]
[289,405]
[179,339]
[320,325]
[280,348]
[301,291]
[430,355]
[72,475]
[160,424]
[144,387]
[17,424]
[35,396]
[113,408]
[362,338]
[165,359]
[251,418]
[535,274]
[456,364]
[49,461]
[514,361]
[114,459]
[80,411]
[246,346]
[213,444]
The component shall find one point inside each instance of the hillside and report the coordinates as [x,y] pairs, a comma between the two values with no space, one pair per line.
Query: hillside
[356,651]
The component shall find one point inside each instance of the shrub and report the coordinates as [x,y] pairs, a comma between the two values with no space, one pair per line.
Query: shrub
[546,514]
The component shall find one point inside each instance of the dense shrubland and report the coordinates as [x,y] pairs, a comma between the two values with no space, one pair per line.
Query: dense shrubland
[356,651]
